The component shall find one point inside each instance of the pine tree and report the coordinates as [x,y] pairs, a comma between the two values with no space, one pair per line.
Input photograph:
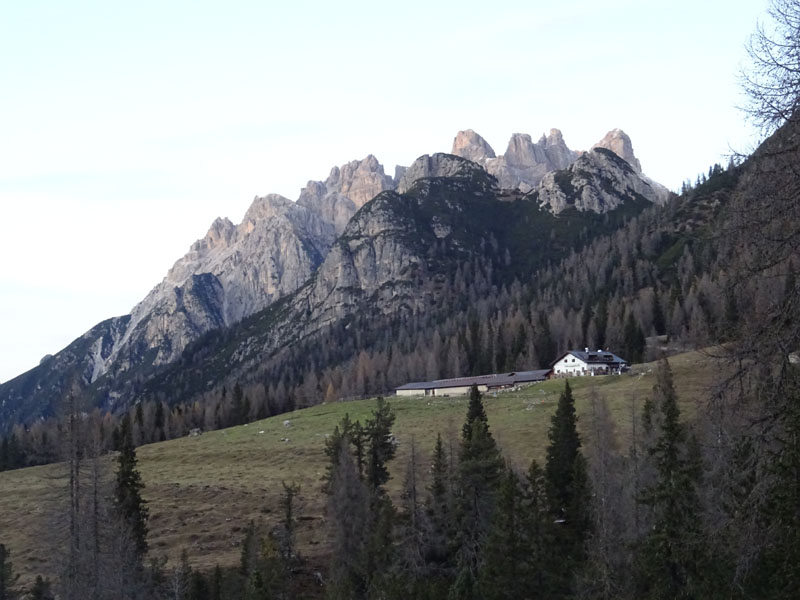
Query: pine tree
[7,577]
[634,340]
[198,587]
[381,445]
[539,529]
[670,559]
[129,504]
[41,590]
[348,510]
[562,452]
[475,410]
[568,492]
[238,416]
[505,569]
[479,475]
[659,320]
[439,510]
[341,437]
[158,421]
[215,591]
[287,534]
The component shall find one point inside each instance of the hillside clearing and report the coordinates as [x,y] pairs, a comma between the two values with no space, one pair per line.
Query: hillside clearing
[203,490]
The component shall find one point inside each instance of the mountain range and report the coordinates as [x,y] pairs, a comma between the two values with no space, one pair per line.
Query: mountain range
[359,241]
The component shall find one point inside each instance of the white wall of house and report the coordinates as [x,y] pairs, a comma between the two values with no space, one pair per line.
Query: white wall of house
[457,391]
[410,392]
[569,365]
[444,391]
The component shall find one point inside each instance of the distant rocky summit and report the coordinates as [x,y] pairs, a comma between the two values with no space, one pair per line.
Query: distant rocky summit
[620,144]
[526,163]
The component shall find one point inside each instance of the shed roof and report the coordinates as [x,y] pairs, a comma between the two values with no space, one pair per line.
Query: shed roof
[495,380]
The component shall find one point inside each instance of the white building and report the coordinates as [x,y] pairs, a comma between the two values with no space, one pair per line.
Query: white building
[587,362]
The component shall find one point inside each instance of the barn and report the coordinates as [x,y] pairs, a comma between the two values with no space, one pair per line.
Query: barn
[461,385]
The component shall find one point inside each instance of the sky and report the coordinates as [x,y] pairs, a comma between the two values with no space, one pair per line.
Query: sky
[126,128]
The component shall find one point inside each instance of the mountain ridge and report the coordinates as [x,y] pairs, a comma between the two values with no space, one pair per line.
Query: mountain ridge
[237,270]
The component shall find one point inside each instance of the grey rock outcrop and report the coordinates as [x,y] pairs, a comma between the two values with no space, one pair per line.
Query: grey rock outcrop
[525,163]
[237,270]
[598,181]
[620,144]
[436,165]
[346,189]
[472,146]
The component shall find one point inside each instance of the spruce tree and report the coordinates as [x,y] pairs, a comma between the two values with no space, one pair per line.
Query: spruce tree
[539,530]
[567,492]
[505,569]
[475,410]
[479,475]
[348,514]
[670,560]
[129,504]
[341,437]
[41,589]
[439,509]
[215,591]
[381,445]
[238,416]
[564,448]
[7,577]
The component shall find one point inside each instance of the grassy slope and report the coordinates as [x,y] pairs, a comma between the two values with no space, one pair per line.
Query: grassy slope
[203,490]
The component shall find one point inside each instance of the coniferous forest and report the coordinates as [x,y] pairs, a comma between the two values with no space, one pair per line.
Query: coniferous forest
[700,505]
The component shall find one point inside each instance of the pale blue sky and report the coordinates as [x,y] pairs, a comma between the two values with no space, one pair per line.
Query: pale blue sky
[127,127]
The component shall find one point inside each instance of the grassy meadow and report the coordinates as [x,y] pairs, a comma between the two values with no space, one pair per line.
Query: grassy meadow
[203,490]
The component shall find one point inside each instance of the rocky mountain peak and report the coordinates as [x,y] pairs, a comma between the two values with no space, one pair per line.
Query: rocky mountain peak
[219,235]
[555,137]
[620,144]
[359,180]
[521,151]
[436,165]
[525,162]
[266,207]
[472,146]
[598,181]
[346,189]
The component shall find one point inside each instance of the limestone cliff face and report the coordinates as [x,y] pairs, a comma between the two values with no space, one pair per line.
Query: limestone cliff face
[234,271]
[597,181]
[383,254]
[237,270]
[371,258]
[346,189]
